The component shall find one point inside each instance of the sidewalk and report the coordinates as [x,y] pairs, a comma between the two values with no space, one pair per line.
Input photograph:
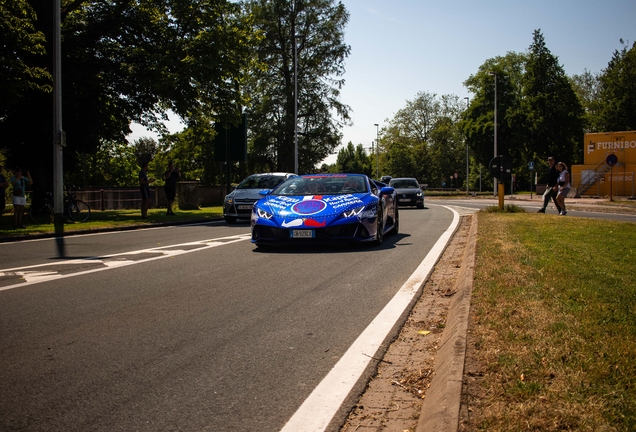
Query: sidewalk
[602,204]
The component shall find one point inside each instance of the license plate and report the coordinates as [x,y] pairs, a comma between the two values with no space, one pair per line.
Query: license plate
[404,200]
[244,207]
[302,234]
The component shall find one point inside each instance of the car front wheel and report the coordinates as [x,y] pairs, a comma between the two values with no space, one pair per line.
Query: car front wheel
[379,234]
[396,221]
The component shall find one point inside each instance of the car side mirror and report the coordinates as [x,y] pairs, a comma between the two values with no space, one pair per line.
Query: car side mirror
[264,192]
[387,190]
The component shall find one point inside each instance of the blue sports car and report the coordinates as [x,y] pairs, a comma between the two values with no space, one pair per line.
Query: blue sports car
[325,208]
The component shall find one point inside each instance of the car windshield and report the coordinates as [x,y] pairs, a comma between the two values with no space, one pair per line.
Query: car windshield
[261,182]
[404,184]
[322,185]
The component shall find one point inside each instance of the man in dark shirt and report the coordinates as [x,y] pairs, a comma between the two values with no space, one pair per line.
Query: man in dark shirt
[4,184]
[172,176]
[144,187]
[551,187]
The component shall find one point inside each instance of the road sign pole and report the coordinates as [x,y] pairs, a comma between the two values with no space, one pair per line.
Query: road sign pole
[611,183]
[531,179]
[611,160]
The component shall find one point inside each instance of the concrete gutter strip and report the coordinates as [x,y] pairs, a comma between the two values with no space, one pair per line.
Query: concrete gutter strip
[440,410]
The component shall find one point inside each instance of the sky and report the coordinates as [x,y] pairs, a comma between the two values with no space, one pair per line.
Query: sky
[402,47]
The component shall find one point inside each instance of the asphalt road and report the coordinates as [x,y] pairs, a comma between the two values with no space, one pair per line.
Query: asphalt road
[186,328]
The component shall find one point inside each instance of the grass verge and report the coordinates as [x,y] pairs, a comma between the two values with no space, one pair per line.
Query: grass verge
[508,208]
[620,202]
[110,219]
[555,308]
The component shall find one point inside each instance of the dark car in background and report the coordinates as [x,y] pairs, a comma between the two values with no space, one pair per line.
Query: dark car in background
[409,192]
[238,203]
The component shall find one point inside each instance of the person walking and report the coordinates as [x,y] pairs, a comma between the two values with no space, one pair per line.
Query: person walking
[564,186]
[4,184]
[144,187]
[172,176]
[551,189]
[19,183]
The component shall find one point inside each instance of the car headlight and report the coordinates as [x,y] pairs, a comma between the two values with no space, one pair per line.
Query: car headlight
[264,214]
[228,199]
[419,194]
[353,212]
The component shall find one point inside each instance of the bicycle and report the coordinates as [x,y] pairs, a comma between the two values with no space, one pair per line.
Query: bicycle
[76,210]
[43,213]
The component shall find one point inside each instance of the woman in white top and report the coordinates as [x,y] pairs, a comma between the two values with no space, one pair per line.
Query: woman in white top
[564,186]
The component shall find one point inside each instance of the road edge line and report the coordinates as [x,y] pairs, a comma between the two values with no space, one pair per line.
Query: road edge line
[321,406]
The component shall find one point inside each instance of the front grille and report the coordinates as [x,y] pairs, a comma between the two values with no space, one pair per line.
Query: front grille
[339,233]
[244,202]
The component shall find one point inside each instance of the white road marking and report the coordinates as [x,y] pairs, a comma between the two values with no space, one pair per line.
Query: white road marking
[323,403]
[27,240]
[33,275]
[464,211]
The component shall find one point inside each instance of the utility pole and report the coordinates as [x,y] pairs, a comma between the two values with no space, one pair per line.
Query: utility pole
[494,178]
[466,142]
[377,151]
[296,104]
[58,132]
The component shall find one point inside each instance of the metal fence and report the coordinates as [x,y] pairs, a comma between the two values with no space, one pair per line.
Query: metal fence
[130,197]
[114,198]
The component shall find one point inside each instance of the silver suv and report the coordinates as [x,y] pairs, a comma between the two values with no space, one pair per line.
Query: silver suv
[238,203]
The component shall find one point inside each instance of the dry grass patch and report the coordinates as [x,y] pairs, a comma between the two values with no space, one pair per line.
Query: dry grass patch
[555,308]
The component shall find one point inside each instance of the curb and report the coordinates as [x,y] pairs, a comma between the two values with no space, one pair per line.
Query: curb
[440,410]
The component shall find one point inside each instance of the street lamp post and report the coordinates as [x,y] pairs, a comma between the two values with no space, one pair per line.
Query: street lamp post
[372,151]
[296,104]
[58,132]
[377,150]
[466,142]
[494,178]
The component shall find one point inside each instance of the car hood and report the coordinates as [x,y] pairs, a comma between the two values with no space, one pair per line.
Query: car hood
[312,211]
[246,194]
[407,191]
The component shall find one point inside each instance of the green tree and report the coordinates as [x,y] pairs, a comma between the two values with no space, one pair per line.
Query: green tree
[551,110]
[353,160]
[191,150]
[129,61]
[538,112]
[405,140]
[20,41]
[399,160]
[145,149]
[587,87]
[320,64]
[113,164]
[618,91]
[479,125]
[423,140]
